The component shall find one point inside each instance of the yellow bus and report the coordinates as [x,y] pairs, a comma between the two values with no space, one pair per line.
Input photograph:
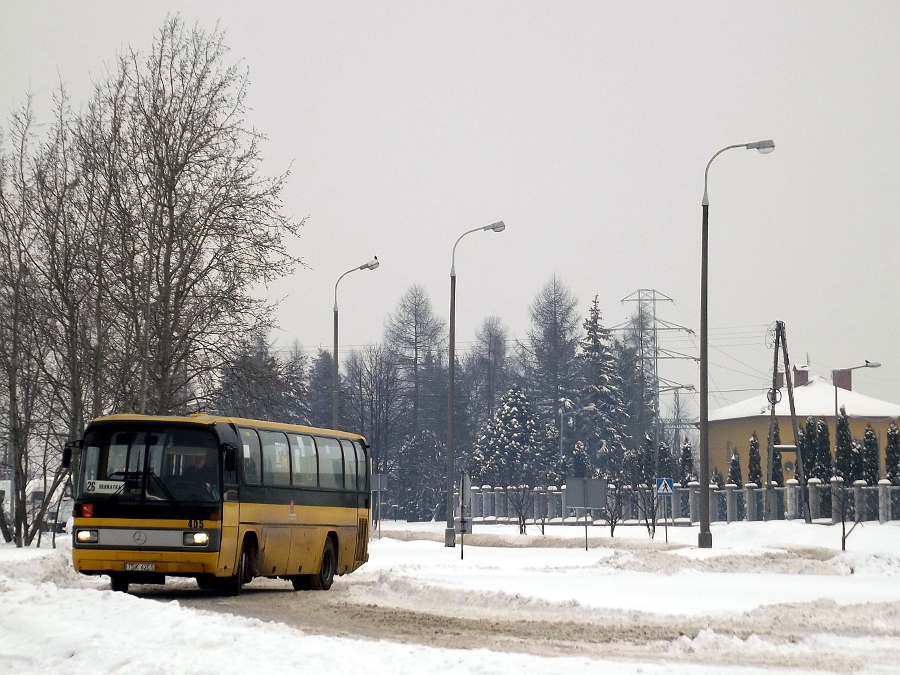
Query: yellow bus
[219,499]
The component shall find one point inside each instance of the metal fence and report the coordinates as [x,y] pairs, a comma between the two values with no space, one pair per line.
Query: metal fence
[825,502]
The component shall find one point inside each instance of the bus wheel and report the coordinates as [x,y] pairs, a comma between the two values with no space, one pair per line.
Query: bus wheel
[323,580]
[118,583]
[235,584]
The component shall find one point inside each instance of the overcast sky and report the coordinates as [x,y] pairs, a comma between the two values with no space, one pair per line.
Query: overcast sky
[586,127]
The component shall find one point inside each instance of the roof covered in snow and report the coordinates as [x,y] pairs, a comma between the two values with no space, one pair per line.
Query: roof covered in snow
[813,399]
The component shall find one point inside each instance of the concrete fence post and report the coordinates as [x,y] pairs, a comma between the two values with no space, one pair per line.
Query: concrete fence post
[564,508]
[837,499]
[750,501]
[551,503]
[884,500]
[730,503]
[502,507]
[694,500]
[812,485]
[791,498]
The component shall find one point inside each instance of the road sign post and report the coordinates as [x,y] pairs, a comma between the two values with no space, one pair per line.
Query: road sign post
[665,488]
[585,494]
[464,525]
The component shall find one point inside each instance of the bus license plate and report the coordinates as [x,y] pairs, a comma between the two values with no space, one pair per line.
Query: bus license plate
[140,567]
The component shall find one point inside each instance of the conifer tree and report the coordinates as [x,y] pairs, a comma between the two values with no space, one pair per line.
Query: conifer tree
[843,456]
[734,470]
[856,462]
[665,463]
[822,468]
[687,463]
[892,455]
[320,385]
[777,464]
[871,457]
[600,412]
[421,477]
[510,452]
[581,463]
[807,448]
[716,478]
[754,470]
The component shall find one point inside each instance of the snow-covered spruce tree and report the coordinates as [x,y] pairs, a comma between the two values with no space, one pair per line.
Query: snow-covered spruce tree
[599,408]
[843,455]
[777,467]
[422,477]
[735,476]
[892,455]
[688,473]
[510,453]
[754,470]
[822,468]
[581,463]
[871,471]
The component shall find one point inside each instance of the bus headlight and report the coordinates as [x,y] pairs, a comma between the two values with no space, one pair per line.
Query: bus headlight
[86,536]
[196,539]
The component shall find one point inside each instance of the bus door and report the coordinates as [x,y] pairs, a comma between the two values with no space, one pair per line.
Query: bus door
[363,505]
[230,511]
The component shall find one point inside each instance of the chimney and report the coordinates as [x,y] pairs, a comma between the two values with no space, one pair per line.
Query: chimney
[801,376]
[842,379]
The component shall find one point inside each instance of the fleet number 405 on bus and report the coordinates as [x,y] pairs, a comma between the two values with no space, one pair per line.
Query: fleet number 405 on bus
[219,499]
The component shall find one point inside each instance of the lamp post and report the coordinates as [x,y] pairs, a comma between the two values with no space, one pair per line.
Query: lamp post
[335,379]
[834,380]
[450,532]
[705,536]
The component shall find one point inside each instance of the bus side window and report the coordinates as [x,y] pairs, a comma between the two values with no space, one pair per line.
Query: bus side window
[276,459]
[331,464]
[361,465]
[303,451]
[249,452]
[349,465]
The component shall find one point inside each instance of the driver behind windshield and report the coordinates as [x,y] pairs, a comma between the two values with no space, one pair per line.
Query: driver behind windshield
[201,467]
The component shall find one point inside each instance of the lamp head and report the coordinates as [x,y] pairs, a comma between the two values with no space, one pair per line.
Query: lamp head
[499,226]
[764,147]
[371,265]
[872,364]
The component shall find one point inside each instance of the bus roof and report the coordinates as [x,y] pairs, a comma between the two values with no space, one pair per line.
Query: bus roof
[205,419]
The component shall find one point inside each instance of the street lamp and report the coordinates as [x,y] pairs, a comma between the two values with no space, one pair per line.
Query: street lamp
[450,532]
[834,380]
[335,379]
[705,536]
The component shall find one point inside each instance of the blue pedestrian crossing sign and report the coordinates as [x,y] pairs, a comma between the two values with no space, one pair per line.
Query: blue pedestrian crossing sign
[664,487]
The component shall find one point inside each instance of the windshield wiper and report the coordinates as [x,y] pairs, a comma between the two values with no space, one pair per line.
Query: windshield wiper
[162,485]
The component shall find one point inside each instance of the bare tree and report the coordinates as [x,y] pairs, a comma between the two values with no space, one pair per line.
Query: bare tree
[196,225]
[413,333]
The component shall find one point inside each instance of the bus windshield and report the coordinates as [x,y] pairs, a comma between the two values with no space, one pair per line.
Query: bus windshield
[138,463]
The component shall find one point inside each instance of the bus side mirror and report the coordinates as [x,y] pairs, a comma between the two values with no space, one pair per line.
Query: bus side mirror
[230,456]
[67,452]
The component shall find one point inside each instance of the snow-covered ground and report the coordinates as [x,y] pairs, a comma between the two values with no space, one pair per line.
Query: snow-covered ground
[768,597]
